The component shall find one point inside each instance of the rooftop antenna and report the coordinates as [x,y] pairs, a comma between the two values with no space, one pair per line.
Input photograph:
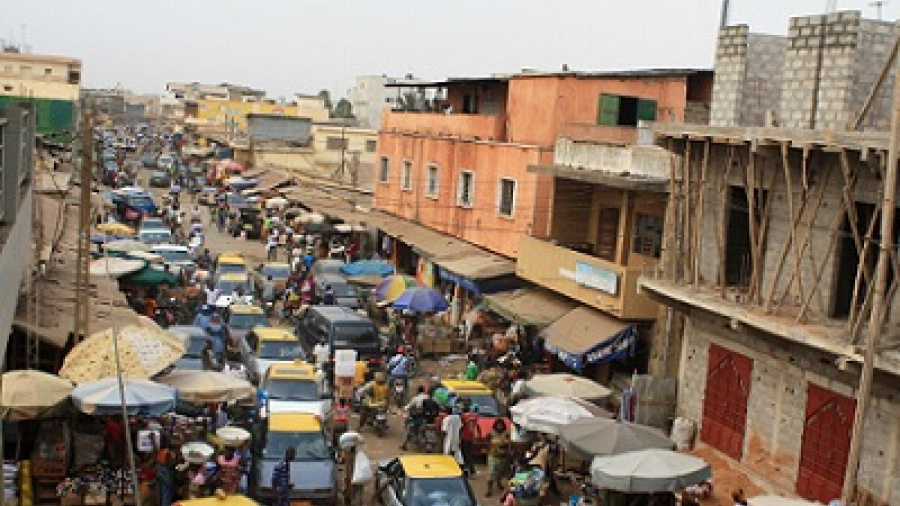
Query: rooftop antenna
[879,7]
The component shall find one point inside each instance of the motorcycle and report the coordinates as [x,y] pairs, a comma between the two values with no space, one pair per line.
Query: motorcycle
[164,316]
[398,391]
[379,421]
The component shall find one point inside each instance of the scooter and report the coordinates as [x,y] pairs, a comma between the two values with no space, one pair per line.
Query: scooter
[379,421]
[398,391]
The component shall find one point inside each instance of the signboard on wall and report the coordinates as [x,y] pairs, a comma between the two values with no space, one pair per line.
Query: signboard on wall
[596,277]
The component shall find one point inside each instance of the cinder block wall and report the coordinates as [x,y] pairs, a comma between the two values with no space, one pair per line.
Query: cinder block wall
[747,81]
[831,63]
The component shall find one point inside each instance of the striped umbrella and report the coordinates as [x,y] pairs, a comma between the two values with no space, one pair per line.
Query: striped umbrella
[393,287]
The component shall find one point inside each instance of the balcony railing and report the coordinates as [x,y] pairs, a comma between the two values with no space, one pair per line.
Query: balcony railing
[455,125]
[589,132]
[598,283]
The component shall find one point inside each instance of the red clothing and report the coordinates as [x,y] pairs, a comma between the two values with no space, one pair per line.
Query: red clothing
[469,431]
[115,430]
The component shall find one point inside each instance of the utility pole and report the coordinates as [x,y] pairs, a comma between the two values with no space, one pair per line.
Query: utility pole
[879,302]
[82,276]
[723,19]
[879,7]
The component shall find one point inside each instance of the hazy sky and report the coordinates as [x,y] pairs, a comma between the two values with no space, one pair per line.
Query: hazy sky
[287,46]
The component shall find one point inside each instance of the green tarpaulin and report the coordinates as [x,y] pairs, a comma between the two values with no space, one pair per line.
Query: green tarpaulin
[149,276]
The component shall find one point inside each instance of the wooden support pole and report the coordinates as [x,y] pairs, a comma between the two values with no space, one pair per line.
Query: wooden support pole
[870,99]
[698,227]
[862,272]
[790,244]
[750,188]
[764,229]
[723,221]
[879,303]
[686,212]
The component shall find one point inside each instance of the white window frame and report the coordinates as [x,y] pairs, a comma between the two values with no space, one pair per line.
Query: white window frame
[459,189]
[437,180]
[512,204]
[406,175]
[384,170]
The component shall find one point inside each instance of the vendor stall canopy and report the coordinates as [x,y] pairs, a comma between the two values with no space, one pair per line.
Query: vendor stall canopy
[585,336]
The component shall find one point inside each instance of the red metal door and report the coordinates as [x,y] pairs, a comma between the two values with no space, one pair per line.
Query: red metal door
[725,405]
[825,445]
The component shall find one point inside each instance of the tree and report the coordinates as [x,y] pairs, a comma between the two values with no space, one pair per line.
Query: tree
[343,109]
[325,95]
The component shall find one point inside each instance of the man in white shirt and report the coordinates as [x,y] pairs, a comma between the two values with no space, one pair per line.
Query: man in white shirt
[212,294]
[322,353]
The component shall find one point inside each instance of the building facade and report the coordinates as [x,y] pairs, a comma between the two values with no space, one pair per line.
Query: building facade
[370,96]
[464,170]
[51,83]
[773,235]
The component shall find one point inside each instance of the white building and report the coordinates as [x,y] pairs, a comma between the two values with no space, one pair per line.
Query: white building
[370,96]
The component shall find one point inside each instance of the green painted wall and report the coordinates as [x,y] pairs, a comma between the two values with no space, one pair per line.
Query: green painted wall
[55,118]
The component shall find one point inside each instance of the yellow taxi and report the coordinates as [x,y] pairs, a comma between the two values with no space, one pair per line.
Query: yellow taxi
[220,499]
[481,401]
[240,318]
[293,387]
[230,261]
[228,284]
[264,346]
[312,471]
[427,478]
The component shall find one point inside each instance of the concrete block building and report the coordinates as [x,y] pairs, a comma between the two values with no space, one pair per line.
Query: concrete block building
[772,236]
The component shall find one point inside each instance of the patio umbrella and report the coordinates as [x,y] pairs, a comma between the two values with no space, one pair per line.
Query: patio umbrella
[394,286]
[149,276]
[649,471]
[115,267]
[143,351]
[566,384]
[775,500]
[126,245]
[142,397]
[548,414]
[205,387]
[421,300]
[26,395]
[364,267]
[588,437]
[115,228]
[311,218]
[276,203]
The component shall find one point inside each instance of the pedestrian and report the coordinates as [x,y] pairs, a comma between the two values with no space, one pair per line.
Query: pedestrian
[451,427]
[204,317]
[498,456]
[340,419]
[165,471]
[322,353]
[208,357]
[472,368]
[212,294]
[281,479]
[272,247]
[328,298]
[229,471]
[468,433]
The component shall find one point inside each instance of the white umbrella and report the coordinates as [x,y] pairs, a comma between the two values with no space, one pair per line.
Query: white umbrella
[144,351]
[311,218]
[115,267]
[566,384]
[774,500]
[649,471]
[588,437]
[126,245]
[28,394]
[547,414]
[205,387]
[344,228]
[142,397]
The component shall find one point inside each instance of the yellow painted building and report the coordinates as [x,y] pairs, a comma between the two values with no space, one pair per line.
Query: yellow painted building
[51,83]
[211,111]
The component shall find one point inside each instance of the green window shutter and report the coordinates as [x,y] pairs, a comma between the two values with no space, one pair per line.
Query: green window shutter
[609,110]
[646,110]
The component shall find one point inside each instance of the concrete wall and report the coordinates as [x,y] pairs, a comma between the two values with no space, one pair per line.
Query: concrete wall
[831,62]
[777,403]
[747,81]
[279,128]
[640,161]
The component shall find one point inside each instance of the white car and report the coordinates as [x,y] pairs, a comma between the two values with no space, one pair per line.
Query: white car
[291,387]
[178,258]
[154,236]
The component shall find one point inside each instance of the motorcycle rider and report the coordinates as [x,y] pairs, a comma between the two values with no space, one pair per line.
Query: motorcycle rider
[268,291]
[415,415]
[374,395]
[398,367]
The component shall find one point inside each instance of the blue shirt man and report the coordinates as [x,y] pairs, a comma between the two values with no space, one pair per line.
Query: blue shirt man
[281,479]
[398,368]
[308,260]
[203,318]
[216,332]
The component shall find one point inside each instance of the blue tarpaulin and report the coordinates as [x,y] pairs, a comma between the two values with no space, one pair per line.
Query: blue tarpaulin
[367,267]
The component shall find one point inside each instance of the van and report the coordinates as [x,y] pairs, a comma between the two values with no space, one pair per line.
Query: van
[343,329]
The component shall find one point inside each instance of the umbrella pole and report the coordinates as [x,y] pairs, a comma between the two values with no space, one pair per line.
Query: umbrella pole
[127,422]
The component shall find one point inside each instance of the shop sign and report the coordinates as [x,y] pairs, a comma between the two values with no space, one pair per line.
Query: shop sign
[596,277]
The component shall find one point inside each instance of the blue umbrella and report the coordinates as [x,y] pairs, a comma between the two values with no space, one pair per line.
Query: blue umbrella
[142,397]
[421,300]
[366,267]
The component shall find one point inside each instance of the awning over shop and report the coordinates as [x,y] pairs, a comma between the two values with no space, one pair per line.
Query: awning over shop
[530,306]
[586,336]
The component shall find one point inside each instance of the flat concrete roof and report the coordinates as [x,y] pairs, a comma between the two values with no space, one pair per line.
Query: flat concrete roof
[594,176]
[796,137]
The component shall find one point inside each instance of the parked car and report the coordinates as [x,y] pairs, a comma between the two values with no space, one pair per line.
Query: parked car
[485,404]
[154,236]
[279,272]
[264,346]
[227,283]
[159,180]
[148,161]
[153,223]
[240,319]
[291,387]
[343,329]
[411,480]
[345,294]
[194,339]
[312,473]
[177,257]
[326,266]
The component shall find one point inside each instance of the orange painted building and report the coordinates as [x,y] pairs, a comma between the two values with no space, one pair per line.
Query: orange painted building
[462,169]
